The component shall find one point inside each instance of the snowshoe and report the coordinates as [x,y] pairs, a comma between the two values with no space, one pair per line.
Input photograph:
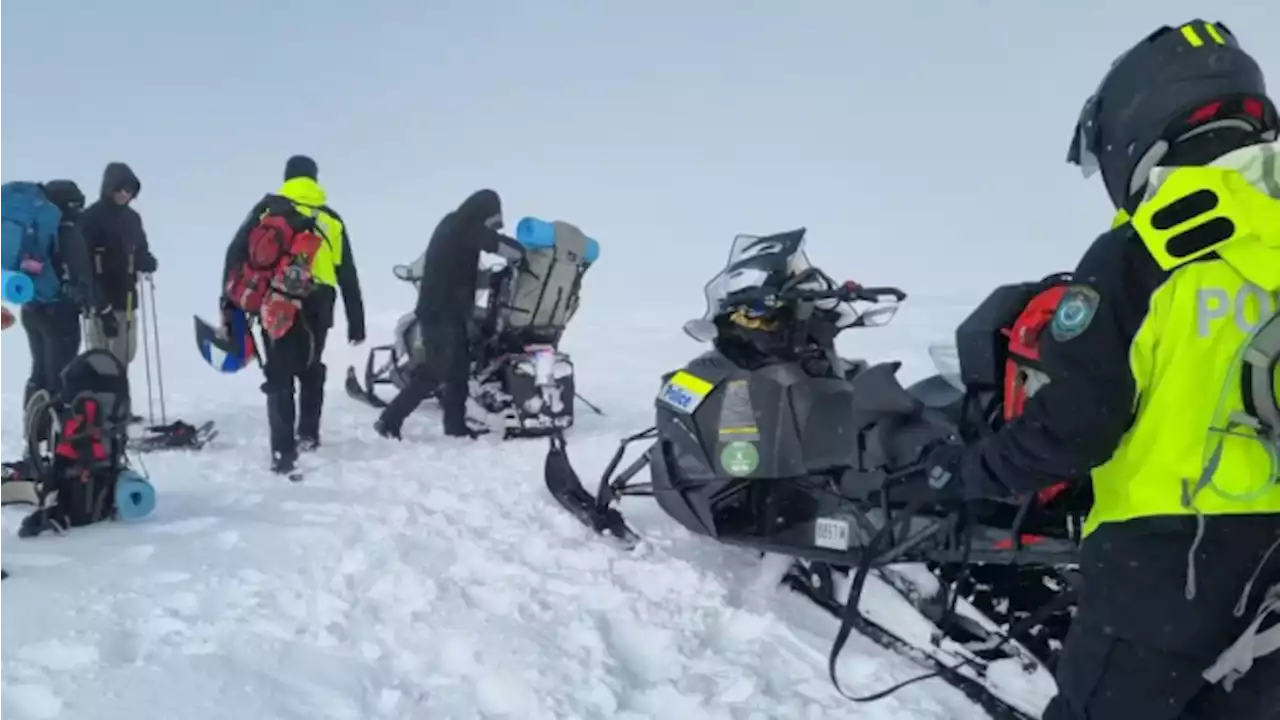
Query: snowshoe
[177,435]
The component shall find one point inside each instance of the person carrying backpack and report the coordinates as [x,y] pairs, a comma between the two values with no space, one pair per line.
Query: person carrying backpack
[118,244]
[42,240]
[1161,386]
[446,296]
[284,268]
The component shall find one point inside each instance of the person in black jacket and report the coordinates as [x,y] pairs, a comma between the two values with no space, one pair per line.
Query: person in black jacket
[296,357]
[445,300]
[53,328]
[119,249]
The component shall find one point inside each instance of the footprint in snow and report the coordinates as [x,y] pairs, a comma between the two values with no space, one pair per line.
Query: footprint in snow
[189,526]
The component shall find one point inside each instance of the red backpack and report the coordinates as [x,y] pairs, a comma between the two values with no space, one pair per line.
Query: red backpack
[276,276]
[1023,373]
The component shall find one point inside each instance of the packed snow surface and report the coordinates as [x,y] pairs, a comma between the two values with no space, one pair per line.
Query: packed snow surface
[433,578]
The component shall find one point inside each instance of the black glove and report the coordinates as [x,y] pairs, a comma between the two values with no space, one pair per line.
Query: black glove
[945,468]
[107,321]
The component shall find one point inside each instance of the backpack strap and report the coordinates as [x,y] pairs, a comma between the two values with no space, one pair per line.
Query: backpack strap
[1258,378]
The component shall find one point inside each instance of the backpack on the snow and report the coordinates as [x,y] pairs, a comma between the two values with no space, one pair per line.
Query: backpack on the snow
[276,275]
[30,238]
[75,445]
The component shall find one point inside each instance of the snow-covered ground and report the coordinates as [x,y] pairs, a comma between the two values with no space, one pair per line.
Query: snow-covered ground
[433,578]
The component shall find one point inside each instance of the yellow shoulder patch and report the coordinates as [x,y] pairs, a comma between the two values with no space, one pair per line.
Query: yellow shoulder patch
[1197,211]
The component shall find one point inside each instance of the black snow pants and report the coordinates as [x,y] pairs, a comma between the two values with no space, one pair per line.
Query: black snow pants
[447,368]
[295,359]
[53,331]
[1137,646]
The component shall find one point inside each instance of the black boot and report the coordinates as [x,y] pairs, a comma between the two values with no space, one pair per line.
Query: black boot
[387,427]
[281,416]
[310,406]
[454,400]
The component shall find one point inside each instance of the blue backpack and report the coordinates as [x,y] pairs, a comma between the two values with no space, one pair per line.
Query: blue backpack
[31,237]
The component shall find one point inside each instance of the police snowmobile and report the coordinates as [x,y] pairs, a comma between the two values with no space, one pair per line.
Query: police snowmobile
[526,294]
[771,441]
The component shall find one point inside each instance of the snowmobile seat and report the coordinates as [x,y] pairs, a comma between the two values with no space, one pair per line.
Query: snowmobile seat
[877,392]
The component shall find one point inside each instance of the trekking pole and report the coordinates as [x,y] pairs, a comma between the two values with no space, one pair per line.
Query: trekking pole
[146,349]
[588,403]
[155,333]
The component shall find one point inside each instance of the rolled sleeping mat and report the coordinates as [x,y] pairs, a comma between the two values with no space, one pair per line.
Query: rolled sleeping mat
[135,497]
[18,288]
[538,234]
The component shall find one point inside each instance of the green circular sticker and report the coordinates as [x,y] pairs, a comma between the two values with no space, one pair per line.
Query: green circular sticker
[739,458]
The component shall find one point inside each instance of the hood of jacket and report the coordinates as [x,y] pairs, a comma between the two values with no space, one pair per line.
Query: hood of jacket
[303,191]
[481,207]
[118,176]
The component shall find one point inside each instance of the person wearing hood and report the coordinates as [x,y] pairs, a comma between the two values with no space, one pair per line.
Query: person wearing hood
[1161,361]
[446,297]
[119,251]
[294,369]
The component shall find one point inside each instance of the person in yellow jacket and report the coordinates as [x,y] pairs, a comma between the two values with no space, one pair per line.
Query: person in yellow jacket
[1162,390]
[296,357]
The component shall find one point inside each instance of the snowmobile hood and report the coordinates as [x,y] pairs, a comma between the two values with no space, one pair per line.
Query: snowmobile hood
[481,207]
[119,176]
[1246,185]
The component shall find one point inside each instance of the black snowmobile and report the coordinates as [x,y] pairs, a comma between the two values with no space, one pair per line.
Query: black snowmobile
[527,293]
[773,442]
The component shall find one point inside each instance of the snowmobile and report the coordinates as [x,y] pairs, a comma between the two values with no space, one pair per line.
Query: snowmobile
[526,294]
[773,442]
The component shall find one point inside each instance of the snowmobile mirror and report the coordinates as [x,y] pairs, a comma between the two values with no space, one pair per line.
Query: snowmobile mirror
[877,316]
[403,272]
[701,330]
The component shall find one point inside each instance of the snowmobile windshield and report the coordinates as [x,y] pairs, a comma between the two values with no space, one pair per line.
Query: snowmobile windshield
[946,360]
[767,262]
[412,272]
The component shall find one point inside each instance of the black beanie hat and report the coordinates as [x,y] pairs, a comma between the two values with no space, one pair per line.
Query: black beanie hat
[301,166]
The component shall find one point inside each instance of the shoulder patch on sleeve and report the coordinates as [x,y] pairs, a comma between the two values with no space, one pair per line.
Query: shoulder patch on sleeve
[1075,312]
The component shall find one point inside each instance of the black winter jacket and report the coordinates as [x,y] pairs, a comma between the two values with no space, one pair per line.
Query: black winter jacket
[449,273]
[116,240]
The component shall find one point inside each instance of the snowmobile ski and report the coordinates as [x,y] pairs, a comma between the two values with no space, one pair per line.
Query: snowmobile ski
[362,394]
[567,489]
[177,435]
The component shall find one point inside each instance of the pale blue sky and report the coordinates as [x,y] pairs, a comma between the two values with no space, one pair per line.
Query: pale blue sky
[915,139]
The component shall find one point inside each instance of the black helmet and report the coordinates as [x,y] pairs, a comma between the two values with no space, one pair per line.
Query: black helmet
[1175,83]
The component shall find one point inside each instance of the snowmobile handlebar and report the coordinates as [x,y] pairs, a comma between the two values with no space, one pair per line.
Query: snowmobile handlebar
[848,292]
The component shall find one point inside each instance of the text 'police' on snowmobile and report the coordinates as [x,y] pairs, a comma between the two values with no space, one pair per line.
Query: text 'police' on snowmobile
[773,442]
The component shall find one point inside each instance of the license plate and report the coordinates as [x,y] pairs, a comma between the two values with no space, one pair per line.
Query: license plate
[831,533]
